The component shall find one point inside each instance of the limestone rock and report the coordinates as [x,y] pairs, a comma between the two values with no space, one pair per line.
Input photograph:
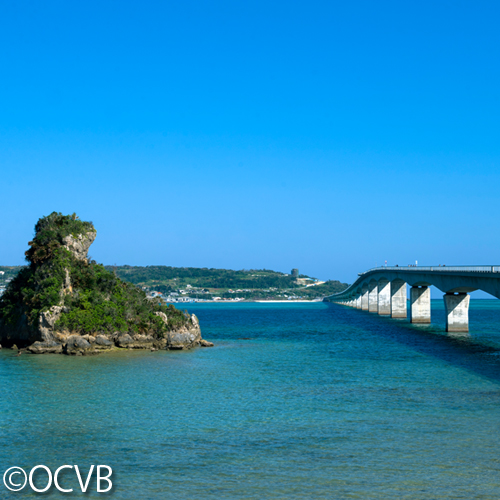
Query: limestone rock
[80,245]
[206,343]
[160,344]
[46,321]
[194,321]
[76,344]
[67,288]
[60,242]
[143,341]
[103,341]
[124,339]
[163,316]
[45,347]
[136,341]
[186,337]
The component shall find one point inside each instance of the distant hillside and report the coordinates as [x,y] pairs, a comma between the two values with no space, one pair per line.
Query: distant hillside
[173,277]
[225,283]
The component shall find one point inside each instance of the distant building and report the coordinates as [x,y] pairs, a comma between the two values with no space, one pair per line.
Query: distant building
[295,273]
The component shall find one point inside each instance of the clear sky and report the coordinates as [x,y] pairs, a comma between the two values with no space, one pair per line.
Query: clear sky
[329,136]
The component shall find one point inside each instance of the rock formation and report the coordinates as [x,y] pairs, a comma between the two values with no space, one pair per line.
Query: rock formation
[64,303]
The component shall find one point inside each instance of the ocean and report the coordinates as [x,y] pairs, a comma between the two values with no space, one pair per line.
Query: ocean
[295,401]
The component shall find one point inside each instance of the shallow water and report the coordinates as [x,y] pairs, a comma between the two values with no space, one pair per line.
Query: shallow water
[295,401]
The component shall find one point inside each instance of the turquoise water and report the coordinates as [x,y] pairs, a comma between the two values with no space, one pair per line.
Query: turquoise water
[296,401]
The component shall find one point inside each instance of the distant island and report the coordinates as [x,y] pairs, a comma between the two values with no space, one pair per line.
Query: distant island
[188,284]
[63,302]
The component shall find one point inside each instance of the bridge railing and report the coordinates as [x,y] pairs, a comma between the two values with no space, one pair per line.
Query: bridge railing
[468,269]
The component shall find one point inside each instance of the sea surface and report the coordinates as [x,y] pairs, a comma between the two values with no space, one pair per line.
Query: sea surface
[295,401]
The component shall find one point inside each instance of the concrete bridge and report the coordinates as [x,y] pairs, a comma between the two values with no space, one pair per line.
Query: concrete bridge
[382,290]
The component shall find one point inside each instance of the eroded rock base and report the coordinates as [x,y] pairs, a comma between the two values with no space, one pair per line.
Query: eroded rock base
[73,344]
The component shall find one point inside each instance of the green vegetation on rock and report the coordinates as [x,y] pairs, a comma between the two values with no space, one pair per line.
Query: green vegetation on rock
[91,299]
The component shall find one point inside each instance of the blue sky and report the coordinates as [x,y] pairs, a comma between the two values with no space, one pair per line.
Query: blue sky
[328,136]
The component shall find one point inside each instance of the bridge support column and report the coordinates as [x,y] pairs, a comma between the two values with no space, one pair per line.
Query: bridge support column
[372,297]
[420,300]
[358,302]
[398,299]
[364,298]
[457,312]
[384,297]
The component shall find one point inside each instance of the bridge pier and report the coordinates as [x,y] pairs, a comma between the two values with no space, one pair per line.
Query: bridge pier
[373,297]
[384,297]
[384,290]
[398,299]
[364,298]
[457,312]
[420,301]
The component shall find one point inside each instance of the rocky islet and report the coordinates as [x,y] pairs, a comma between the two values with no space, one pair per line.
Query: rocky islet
[63,302]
